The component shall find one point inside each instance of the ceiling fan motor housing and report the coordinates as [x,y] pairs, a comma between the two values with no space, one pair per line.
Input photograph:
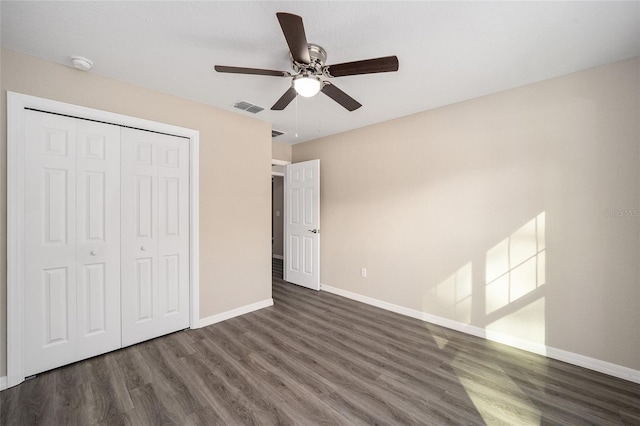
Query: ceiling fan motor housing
[318,58]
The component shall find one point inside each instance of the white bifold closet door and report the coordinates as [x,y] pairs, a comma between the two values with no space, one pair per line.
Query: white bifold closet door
[72,240]
[106,243]
[155,235]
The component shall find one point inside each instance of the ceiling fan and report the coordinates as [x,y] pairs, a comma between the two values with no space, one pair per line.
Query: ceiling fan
[310,72]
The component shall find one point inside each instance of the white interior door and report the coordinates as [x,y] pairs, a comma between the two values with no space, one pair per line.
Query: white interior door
[302,224]
[155,235]
[72,240]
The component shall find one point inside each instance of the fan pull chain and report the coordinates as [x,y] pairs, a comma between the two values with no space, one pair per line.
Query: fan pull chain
[296,115]
[321,108]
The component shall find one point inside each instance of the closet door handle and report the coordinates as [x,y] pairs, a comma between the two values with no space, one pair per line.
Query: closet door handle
[93,252]
[143,248]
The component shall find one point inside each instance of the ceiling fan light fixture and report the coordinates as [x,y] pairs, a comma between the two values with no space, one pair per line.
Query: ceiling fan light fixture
[307,86]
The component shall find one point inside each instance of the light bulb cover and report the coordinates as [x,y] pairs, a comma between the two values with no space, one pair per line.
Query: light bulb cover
[307,86]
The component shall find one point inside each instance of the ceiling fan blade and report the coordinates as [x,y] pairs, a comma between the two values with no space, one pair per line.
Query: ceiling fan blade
[367,66]
[293,30]
[285,100]
[254,71]
[340,97]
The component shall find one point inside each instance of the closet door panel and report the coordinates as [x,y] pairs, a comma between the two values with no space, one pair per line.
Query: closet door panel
[139,218]
[155,280]
[50,273]
[98,238]
[173,230]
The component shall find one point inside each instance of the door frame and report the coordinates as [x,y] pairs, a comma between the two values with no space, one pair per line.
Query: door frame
[275,162]
[16,104]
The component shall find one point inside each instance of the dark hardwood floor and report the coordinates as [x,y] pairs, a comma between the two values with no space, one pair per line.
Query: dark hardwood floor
[316,358]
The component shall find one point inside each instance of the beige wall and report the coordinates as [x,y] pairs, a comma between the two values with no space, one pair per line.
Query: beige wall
[280,151]
[235,196]
[515,212]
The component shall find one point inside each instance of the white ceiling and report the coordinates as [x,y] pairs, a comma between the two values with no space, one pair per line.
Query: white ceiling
[448,51]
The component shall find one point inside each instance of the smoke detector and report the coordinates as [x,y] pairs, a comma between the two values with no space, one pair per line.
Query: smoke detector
[81,63]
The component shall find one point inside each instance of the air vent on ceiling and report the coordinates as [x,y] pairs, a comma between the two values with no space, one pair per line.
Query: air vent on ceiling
[276,133]
[247,106]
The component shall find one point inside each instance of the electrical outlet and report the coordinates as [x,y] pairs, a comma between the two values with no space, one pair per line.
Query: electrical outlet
[363,272]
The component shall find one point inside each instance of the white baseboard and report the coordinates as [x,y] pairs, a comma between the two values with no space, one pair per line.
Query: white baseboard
[3,383]
[277,256]
[559,354]
[235,312]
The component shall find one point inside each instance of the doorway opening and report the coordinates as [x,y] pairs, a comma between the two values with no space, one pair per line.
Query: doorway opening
[301,217]
[277,217]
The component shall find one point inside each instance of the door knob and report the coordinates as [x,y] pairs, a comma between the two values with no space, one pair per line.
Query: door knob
[93,252]
[315,231]
[143,248]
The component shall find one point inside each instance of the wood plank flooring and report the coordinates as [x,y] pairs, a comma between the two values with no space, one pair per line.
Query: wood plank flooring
[316,358]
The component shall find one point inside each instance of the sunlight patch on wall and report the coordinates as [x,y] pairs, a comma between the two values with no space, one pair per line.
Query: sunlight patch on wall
[515,267]
[453,295]
[528,322]
[488,395]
